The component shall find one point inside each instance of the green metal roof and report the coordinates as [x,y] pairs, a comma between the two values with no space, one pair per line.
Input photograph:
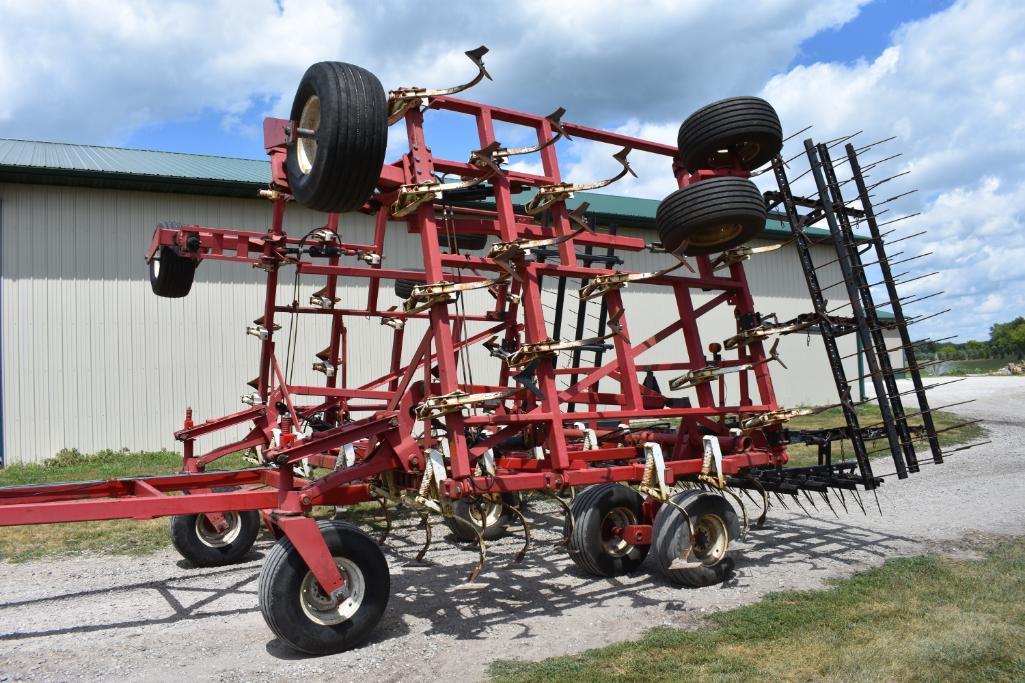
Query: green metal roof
[58,163]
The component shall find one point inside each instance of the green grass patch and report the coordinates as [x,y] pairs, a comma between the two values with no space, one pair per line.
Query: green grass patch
[869,415]
[917,619]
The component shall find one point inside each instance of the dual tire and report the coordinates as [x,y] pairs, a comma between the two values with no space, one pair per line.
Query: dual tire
[693,560]
[721,212]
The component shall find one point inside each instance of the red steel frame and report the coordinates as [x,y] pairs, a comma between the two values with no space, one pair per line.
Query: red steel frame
[378,417]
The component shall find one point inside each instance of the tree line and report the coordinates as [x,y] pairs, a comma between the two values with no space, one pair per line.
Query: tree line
[1006,340]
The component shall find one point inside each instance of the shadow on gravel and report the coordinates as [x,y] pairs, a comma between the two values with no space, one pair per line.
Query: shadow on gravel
[166,588]
[434,592]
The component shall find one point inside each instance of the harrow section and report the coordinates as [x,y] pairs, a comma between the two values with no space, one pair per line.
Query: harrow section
[644,470]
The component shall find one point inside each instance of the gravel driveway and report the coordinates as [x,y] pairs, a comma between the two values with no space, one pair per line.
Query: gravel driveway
[156,618]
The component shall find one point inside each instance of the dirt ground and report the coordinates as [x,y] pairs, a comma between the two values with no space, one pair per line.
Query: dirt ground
[157,618]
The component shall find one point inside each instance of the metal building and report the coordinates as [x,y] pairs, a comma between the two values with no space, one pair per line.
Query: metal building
[92,359]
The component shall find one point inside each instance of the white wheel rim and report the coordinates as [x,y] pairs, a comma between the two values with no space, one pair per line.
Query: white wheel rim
[317,605]
[492,513]
[616,518]
[710,540]
[155,265]
[717,235]
[212,538]
[307,147]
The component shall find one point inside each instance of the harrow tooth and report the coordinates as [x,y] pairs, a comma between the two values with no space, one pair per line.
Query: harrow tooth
[426,521]
[526,532]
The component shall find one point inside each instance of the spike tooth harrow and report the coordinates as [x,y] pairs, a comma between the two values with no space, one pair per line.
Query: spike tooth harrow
[427,435]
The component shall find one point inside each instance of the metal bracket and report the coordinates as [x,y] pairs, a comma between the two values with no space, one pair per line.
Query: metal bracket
[402,100]
[550,194]
[765,329]
[410,197]
[555,120]
[325,367]
[550,347]
[503,252]
[713,455]
[600,285]
[773,417]
[436,406]
[653,482]
[743,253]
[424,296]
[321,300]
[710,372]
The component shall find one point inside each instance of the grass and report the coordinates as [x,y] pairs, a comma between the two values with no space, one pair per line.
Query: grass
[120,537]
[980,366]
[918,619]
[869,414]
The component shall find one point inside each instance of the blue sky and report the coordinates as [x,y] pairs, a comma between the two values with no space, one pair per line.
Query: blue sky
[947,79]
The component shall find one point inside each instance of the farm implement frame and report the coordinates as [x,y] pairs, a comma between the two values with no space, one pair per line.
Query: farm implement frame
[650,471]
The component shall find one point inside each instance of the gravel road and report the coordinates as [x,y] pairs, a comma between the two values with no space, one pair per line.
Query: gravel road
[157,618]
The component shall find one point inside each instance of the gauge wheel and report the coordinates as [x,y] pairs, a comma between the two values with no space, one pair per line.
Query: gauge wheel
[597,512]
[298,611]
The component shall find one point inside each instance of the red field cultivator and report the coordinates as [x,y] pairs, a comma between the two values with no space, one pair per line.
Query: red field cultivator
[649,472]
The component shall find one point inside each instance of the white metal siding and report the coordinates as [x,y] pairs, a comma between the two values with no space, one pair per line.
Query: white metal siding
[92,359]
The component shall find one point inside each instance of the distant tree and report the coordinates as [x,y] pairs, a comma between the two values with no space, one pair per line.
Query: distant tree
[1008,339]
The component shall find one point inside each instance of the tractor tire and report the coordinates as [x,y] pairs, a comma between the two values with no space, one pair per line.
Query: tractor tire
[404,288]
[710,216]
[464,241]
[338,168]
[496,515]
[171,274]
[295,608]
[199,543]
[715,524]
[592,546]
[748,126]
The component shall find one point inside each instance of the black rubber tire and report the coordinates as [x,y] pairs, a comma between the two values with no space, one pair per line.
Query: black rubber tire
[171,274]
[710,216]
[670,536]
[281,580]
[404,288]
[352,135]
[494,531]
[464,241]
[585,546]
[749,125]
[186,540]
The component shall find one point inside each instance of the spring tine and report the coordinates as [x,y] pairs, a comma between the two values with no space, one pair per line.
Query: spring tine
[825,495]
[797,499]
[426,521]
[906,237]
[857,497]
[886,180]
[894,198]
[959,425]
[480,544]
[743,510]
[876,262]
[810,499]
[876,494]
[526,532]
[873,144]
[920,318]
[902,218]
[840,140]
[965,448]
[785,507]
[904,282]
[868,167]
[760,522]
[843,501]
[387,521]
[570,524]
[790,137]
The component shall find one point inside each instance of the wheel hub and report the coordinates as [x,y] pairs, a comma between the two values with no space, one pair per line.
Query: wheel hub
[327,610]
[614,521]
[211,537]
[710,540]
[718,234]
[307,147]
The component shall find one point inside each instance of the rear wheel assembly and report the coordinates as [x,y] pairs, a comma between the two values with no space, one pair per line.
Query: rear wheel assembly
[595,546]
[334,158]
[299,612]
[170,273]
[737,129]
[710,216]
[700,559]
[198,541]
[489,515]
